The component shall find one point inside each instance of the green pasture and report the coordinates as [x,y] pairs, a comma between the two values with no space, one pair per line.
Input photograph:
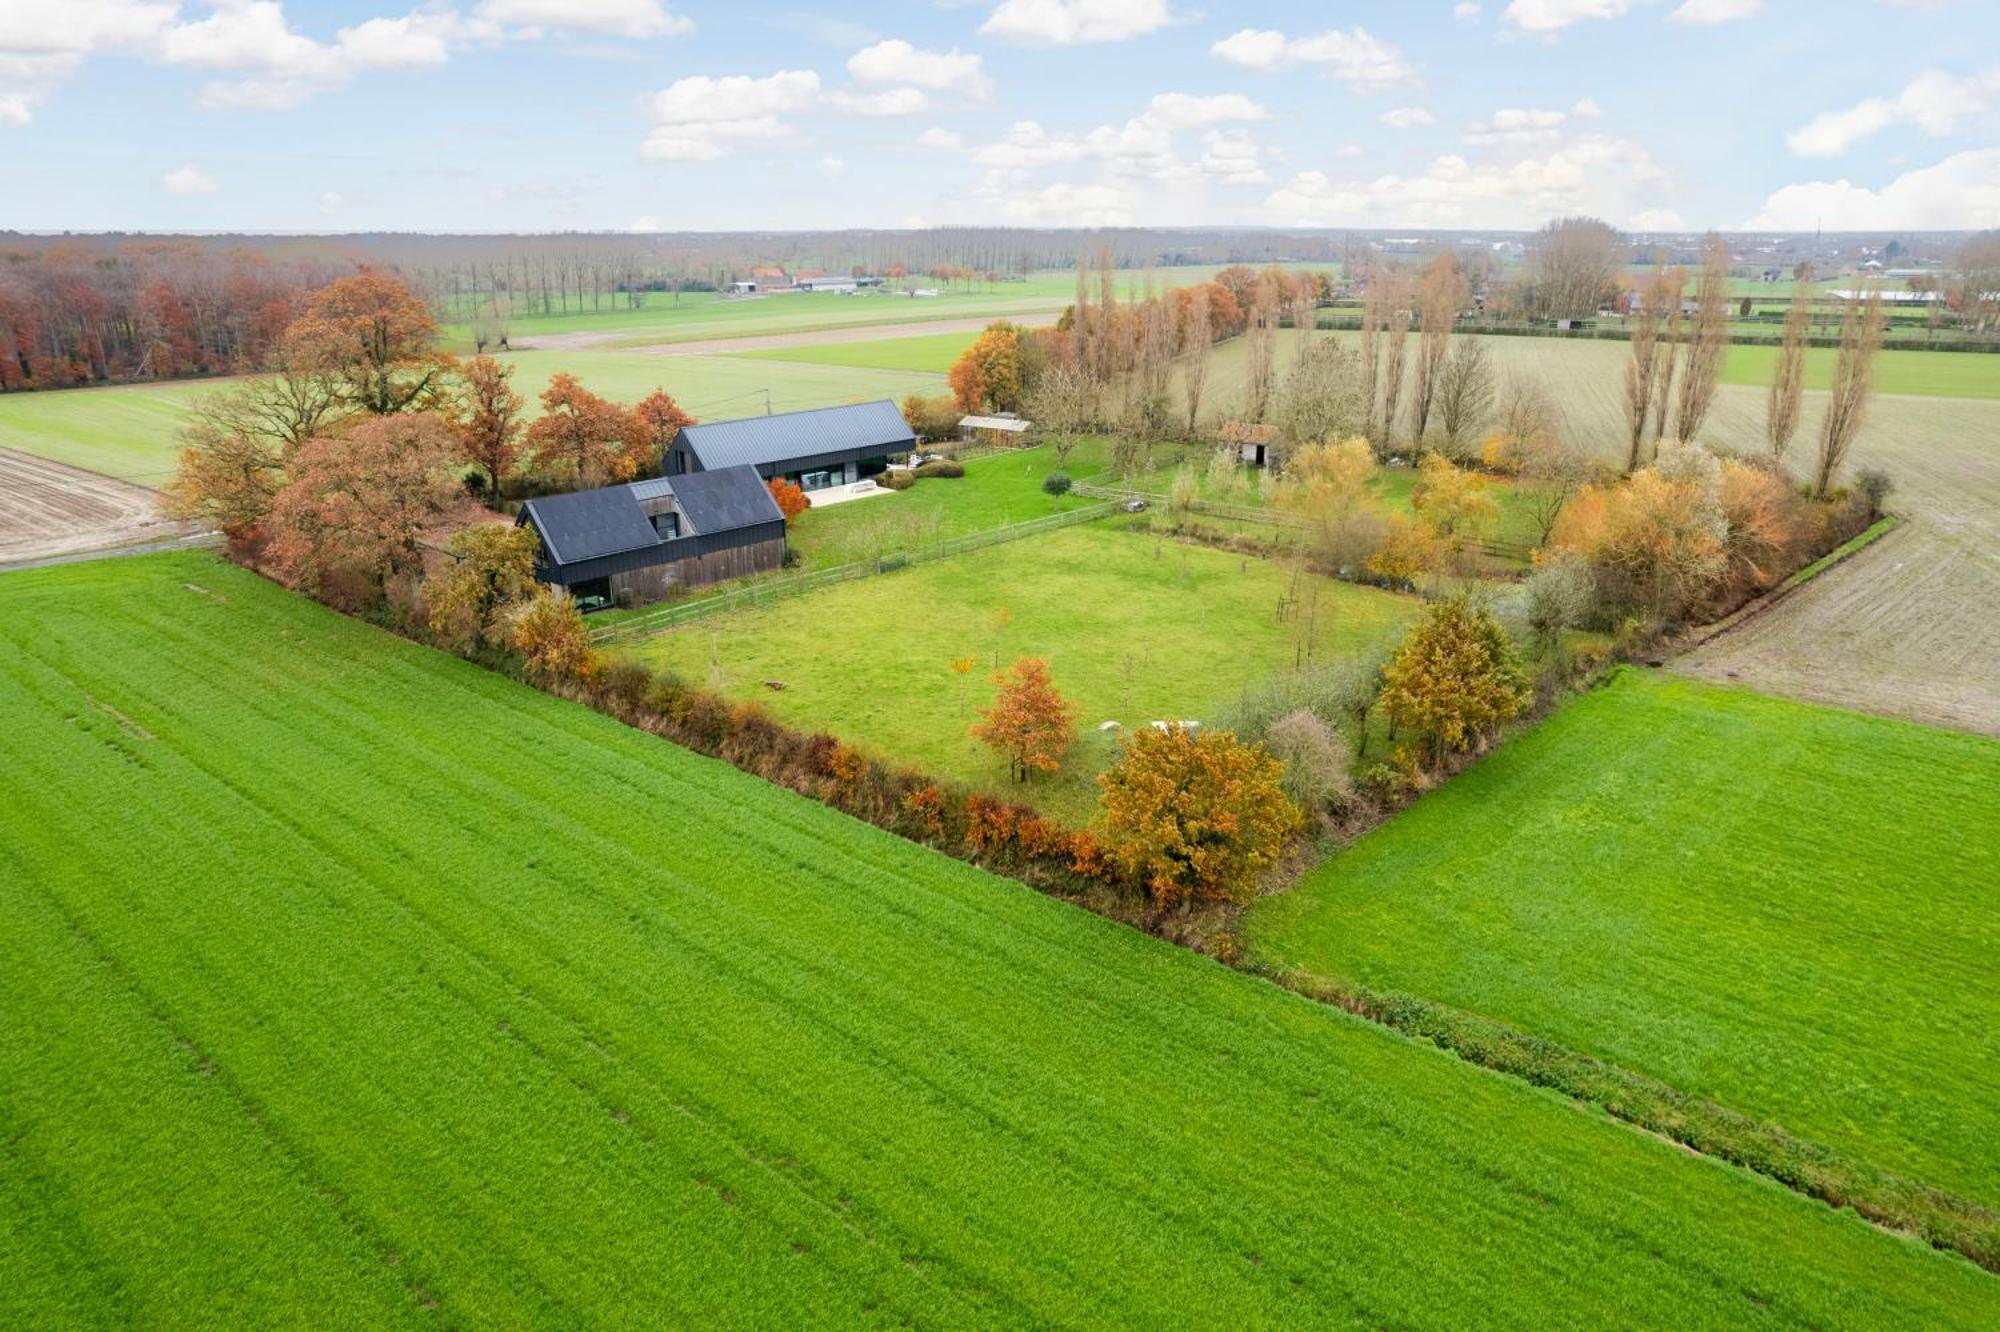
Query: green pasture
[349,984]
[1786,908]
[1936,374]
[932,352]
[1135,629]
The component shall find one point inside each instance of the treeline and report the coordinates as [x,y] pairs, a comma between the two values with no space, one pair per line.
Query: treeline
[72,315]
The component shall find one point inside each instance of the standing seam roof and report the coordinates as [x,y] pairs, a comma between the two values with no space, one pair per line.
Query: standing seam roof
[762,440]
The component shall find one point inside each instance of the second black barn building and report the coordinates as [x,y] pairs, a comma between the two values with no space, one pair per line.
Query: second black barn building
[815,450]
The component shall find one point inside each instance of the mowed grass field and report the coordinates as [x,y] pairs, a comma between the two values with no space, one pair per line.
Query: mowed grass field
[351,985]
[932,352]
[1786,908]
[1919,373]
[1135,629]
[133,431]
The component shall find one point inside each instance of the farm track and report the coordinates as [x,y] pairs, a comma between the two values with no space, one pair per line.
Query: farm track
[48,510]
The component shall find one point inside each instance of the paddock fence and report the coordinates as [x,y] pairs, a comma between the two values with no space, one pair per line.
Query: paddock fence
[779,587]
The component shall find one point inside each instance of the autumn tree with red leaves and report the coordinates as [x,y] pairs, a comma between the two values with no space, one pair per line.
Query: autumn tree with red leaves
[659,419]
[1029,724]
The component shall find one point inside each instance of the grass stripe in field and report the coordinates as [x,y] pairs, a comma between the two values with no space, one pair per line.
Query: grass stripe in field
[1784,908]
[592,1030]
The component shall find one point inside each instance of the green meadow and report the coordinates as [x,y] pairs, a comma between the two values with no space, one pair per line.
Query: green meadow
[350,984]
[932,352]
[1786,908]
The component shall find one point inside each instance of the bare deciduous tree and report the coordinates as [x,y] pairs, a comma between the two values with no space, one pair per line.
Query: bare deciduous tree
[1781,414]
[1977,281]
[1395,333]
[1196,347]
[1440,294]
[1260,367]
[1708,339]
[1642,364]
[1571,262]
[1853,381]
[1464,393]
[1374,318]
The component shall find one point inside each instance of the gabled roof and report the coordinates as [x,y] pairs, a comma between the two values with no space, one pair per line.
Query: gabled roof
[585,524]
[762,440]
[590,524]
[724,500]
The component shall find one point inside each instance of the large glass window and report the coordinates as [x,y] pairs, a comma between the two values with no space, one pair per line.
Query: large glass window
[816,480]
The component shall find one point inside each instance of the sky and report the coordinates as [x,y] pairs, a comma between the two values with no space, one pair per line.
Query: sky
[682,115]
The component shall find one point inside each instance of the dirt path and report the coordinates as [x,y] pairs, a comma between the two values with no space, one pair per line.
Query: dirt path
[47,510]
[763,341]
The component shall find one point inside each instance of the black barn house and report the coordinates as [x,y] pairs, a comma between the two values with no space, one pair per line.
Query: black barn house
[634,543]
[815,450]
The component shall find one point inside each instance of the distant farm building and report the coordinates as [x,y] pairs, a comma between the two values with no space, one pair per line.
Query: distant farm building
[1001,428]
[815,450]
[1252,440]
[629,544]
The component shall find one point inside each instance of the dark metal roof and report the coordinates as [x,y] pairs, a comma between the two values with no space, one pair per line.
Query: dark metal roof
[868,427]
[589,524]
[719,501]
[585,524]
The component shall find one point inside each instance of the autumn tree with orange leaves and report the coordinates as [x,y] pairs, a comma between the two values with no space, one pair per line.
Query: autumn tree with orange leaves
[377,336]
[987,375]
[549,633]
[1029,724]
[1196,815]
[488,419]
[1455,677]
[790,499]
[584,438]
[659,419]
[352,522]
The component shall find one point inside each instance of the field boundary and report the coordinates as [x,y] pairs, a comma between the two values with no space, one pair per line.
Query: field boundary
[1942,1220]
[782,586]
[1840,554]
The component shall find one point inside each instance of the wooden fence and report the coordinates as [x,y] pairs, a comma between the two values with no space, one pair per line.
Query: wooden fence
[780,586]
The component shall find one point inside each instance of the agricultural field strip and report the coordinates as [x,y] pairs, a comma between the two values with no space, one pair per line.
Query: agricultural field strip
[1779,907]
[333,860]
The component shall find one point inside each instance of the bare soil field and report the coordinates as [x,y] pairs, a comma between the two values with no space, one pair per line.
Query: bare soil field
[47,509]
[1909,627]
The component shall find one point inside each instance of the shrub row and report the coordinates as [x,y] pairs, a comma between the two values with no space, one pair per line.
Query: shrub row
[1943,1220]
[1009,839]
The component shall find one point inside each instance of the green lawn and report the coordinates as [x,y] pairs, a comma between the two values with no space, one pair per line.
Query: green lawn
[933,352]
[134,431]
[349,985]
[1786,908]
[996,490]
[1135,629]
[1937,374]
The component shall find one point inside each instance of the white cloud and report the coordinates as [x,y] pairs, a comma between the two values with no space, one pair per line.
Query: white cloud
[1706,13]
[1516,125]
[1465,12]
[832,165]
[699,119]
[1555,15]
[1610,178]
[1407,117]
[942,139]
[1363,62]
[1934,101]
[888,102]
[1656,219]
[644,223]
[1182,111]
[612,18]
[331,202]
[189,179]
[897,62]
[1960,193]
[1232,157]
[1064,205]
[1074,22]
[1347,152]
[79,27]
[1586,108]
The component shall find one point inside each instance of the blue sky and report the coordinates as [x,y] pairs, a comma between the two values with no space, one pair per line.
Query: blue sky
[499,115]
